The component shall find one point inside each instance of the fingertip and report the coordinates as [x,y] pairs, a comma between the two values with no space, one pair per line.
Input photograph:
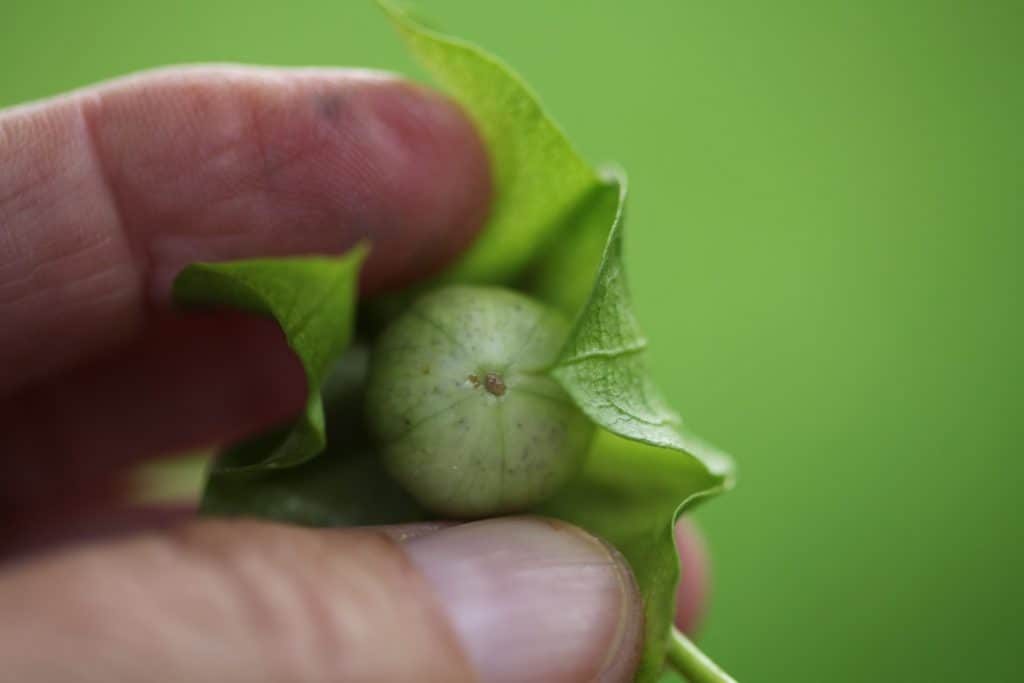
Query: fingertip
[691,595]
[220,163]
[438,187]
[537,596]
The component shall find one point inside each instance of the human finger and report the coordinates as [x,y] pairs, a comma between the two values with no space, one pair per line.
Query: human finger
[691,595]
[508,599]
[107,193]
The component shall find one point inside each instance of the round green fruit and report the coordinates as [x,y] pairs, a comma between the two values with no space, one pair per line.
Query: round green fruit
[461,404]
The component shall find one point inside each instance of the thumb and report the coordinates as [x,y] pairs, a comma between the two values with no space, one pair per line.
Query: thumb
[511,599]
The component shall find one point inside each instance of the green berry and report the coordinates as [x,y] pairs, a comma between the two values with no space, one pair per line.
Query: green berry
[460,402]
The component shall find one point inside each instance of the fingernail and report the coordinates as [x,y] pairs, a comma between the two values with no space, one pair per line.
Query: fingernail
[535,599]
[403,533]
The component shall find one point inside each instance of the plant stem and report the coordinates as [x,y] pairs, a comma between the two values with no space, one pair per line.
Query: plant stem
[693,664]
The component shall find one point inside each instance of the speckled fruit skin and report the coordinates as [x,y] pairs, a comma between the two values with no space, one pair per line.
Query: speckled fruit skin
[461,406]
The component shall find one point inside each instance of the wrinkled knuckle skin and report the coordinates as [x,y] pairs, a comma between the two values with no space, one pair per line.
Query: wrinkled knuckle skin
[320,609]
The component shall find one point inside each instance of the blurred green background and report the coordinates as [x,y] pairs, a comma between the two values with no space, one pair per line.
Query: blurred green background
[824,238]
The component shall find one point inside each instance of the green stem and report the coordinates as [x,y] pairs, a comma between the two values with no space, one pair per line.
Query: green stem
[693,664]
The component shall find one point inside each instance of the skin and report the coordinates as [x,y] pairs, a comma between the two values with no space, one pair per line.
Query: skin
[104,195]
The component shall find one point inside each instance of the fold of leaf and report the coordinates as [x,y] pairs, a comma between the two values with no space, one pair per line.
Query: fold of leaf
[313,300]
[564,276]
[603,364]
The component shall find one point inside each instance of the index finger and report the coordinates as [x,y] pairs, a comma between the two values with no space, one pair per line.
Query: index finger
[106,194]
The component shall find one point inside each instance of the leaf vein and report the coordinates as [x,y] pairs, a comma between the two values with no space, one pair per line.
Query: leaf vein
[619,352]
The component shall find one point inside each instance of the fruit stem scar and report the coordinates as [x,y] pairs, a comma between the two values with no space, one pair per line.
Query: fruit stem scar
[494,384]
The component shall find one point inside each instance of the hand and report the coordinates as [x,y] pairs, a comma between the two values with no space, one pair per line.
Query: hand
[104,195]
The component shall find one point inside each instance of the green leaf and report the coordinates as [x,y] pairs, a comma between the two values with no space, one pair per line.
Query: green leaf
[564,276]
[603,364]
[313,300]
[540,181]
